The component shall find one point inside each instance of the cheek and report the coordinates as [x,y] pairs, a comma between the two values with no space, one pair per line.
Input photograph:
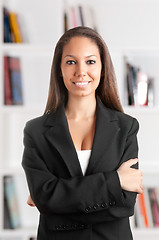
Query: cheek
[96,73]
[66,73]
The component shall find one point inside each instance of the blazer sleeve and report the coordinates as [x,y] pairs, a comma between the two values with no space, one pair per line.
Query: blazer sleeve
[126,200]
[87,194]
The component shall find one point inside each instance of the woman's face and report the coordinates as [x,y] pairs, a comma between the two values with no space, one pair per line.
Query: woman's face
[81,66]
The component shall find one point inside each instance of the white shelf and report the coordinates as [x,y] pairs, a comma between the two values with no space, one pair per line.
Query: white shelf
[24,232]
[22,109]
[11,171]
[150,168]
[28,49]
[142,109]
[146,234]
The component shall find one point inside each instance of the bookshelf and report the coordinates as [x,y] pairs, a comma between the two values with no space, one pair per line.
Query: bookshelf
[42,26]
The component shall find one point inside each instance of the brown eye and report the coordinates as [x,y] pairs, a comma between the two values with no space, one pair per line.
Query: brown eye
[90,62]
[70,62]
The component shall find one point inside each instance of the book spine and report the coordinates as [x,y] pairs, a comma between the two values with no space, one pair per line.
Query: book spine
[12,202]
[7,83]
[151,92]
[130,93]
[142,88]
[16,81]
[74,20]
[15,27]
[148,207]
[6,26]
[81,15]
[143,209]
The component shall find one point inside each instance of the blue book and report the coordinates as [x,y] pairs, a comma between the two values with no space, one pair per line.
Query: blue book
[12,201]
[6,26]
[16,80]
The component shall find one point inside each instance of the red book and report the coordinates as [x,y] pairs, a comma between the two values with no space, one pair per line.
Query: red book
[7,82]
[154,206]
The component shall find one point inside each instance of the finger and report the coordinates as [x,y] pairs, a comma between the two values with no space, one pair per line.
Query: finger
[140,190]
[132,162]
[31,204]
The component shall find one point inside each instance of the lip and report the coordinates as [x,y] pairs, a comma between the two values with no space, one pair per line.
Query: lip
[81,82]
[81,85]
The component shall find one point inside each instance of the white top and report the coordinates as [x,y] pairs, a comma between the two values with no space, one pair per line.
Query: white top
[84,156]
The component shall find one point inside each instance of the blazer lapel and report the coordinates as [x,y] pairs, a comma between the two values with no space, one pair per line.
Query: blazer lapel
[59,137]
[105,132]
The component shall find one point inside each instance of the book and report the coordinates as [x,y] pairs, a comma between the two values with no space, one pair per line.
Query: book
[74,17]
[16,80]
[12,202]
[142,88]
[154,206]
[139,222]
[7,221]
[79,15]
[143,211]
[13,19]
[151,92]
[7,83]
[130,93]
[6,26]
[148,207]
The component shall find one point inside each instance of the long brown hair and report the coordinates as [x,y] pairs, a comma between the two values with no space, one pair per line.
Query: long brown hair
[107,88]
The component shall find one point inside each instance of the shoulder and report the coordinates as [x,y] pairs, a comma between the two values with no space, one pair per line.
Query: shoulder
[124,120]
[35,124]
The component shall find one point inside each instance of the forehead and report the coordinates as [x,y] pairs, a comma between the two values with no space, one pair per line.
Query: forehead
[81,45]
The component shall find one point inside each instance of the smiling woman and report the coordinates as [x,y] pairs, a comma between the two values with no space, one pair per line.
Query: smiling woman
[80,157]
[81,70]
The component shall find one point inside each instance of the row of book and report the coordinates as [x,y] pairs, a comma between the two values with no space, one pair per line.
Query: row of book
[12,218]
[147,208]
[79,15]
[16,212]
[140,87]
[12,81]
[11,27]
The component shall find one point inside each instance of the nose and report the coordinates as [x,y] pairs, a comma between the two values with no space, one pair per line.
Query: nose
[80,70]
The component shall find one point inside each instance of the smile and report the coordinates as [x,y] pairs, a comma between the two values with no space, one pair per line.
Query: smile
[81,83]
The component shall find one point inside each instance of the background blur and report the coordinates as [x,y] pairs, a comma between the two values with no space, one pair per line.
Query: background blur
[29,31]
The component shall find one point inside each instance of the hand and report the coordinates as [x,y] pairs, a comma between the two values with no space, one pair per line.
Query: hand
[130,178]
[30,202]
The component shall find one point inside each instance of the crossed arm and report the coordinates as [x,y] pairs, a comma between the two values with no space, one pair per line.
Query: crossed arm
[126,180]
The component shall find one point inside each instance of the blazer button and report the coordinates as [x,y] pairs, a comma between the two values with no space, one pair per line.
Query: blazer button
[67,226]
[88,208]
[74,226]
[57,227]
[103,205]
[112,203]
[82,226]
[64,226]
[96,206]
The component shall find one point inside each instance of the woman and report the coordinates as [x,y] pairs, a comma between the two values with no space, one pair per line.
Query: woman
[78,156]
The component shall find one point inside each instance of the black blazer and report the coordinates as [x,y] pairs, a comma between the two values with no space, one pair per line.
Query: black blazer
[73,206]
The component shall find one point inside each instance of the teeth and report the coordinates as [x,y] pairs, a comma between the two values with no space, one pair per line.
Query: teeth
[81,83]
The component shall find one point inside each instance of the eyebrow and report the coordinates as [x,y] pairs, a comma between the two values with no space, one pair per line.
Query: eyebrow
[85,57]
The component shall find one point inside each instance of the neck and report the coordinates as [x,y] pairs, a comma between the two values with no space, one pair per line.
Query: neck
[81,107]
